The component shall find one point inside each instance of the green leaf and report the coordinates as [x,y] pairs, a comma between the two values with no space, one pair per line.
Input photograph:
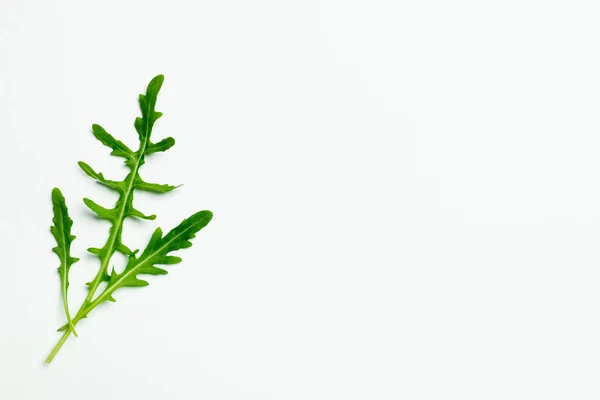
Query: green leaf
[135,213]
[103,213]
[120,149]
[147,102]
[163,145]
[156,253]
[153,187]
[61,230]
[89,171]
[158,249]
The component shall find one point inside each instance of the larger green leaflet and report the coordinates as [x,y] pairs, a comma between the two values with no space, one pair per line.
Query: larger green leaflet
[158,250]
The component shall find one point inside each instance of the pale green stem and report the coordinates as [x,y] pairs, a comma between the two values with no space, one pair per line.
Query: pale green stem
[60,343]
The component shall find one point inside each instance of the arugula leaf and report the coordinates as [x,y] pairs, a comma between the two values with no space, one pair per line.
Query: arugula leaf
[61,230]
[119,148]
[158,249]
[157,253]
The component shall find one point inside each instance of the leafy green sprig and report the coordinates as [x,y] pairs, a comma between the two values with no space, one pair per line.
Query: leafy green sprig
[158,249]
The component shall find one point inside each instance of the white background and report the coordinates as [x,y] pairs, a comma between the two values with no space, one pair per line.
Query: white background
[406,198]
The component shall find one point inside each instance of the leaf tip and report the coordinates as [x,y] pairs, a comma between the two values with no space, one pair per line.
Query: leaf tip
[57,195]
[207,214]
